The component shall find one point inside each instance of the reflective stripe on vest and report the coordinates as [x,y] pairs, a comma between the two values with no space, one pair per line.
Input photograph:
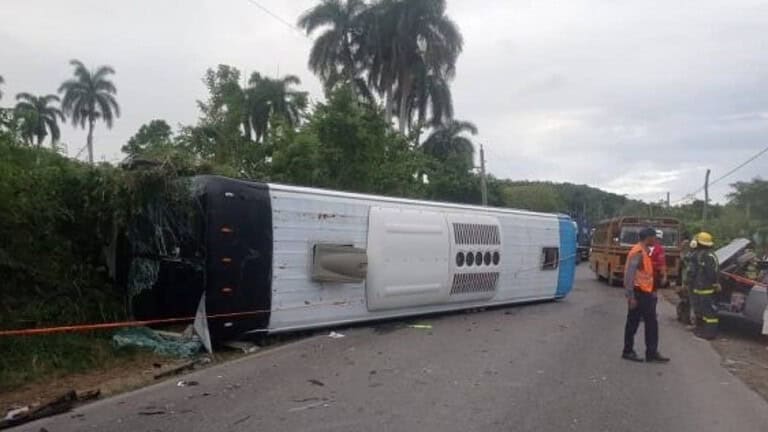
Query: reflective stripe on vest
[710,320]
[704,291]
[644,274]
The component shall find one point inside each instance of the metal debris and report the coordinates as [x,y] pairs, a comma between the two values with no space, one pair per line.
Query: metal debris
[421,326]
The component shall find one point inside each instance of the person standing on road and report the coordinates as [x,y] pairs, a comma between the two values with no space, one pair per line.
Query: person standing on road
[704,285]
[684,305]
[641,300]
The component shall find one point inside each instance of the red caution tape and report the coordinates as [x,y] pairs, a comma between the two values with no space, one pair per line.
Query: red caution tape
[118,324]
[743,280]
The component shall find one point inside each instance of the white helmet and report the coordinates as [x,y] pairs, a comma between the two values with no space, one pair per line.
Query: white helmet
[659,234]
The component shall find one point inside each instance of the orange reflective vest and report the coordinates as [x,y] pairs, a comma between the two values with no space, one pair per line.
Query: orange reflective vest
[644,274]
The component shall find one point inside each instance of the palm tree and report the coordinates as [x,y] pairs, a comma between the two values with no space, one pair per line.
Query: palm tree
[268,98]
[410,41]
[38,117]
[448,141]
[88,97]
[431,94]
[336,55]
[2,81]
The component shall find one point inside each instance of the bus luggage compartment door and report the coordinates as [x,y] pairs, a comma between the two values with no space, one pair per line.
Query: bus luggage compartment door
[408,262]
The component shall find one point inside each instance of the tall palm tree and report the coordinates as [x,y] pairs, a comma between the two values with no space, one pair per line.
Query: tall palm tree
[38,117]
[88,97]
[448,140]
[268,98]
[431,95]
[409,40]
[336,55]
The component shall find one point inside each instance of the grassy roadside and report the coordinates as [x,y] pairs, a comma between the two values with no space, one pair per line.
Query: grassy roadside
[32,359]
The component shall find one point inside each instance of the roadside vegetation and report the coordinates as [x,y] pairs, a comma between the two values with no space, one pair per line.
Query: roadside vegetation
[385,126]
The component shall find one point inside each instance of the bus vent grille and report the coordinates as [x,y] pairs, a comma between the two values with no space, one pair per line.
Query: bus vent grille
[465,233]
[468,283]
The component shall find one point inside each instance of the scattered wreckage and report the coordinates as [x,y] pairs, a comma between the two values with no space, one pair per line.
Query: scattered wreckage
[744,281]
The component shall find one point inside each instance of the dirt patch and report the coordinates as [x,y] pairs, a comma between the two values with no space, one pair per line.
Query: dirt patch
[743,349]
[122,375]
[744,352]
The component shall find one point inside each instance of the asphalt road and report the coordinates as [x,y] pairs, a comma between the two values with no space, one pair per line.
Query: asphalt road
[543,367]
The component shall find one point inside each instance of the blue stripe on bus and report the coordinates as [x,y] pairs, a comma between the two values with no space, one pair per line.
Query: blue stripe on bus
[567,266]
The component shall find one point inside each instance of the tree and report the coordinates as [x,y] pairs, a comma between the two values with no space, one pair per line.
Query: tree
[2,81]
[337,54]
[535,196]
[268,98]
[347,145]
[38,117]
[411,43]
[155,135]
[752,197]
[448,140]
[90,96]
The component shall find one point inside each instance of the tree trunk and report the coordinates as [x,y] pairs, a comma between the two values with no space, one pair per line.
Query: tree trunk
[402,117]
[40,141]
[388,104]
[90,141]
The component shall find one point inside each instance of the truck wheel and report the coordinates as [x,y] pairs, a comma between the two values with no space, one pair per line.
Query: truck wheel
[611,280]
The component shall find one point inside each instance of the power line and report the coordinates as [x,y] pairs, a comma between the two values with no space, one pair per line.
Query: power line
[693,194]
[279,18]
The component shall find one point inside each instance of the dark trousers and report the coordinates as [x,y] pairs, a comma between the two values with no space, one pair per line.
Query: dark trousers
[707,321]
[644,311]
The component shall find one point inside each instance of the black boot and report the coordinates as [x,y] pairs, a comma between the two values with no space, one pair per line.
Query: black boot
[656,358]
[631,356]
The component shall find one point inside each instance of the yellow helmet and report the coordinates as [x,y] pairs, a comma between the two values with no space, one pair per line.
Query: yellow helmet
[705,239]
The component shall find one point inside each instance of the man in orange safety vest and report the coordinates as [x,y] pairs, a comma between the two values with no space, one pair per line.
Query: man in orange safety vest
[641,300]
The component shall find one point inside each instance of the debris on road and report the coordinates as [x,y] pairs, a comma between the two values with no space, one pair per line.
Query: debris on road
[335,335]
[163,344]
[323,403]
[12,414]
[316,382]
[421,326]
[243,346]
[59,405]
[185,383]
[176,370]
[152,412]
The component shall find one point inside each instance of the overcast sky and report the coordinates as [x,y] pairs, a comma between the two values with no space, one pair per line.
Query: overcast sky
[636,97]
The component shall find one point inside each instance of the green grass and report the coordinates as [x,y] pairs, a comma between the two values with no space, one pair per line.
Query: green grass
[31,359]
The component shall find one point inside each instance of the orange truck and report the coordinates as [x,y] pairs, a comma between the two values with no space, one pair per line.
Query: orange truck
[612,239]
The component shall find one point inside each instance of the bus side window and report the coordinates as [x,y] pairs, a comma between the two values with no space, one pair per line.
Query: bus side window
[551,258]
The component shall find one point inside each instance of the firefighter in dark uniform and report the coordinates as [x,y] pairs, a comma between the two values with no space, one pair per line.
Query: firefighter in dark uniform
[704,286]
[687,247]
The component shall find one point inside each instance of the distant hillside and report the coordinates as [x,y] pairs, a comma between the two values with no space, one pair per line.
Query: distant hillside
[584,203]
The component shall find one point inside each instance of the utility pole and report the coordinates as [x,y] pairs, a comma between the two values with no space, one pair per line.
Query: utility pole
[668,205]
[483,185]
[706,197]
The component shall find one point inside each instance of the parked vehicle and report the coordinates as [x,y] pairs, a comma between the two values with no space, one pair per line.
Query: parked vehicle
[744,281]
[613,238]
